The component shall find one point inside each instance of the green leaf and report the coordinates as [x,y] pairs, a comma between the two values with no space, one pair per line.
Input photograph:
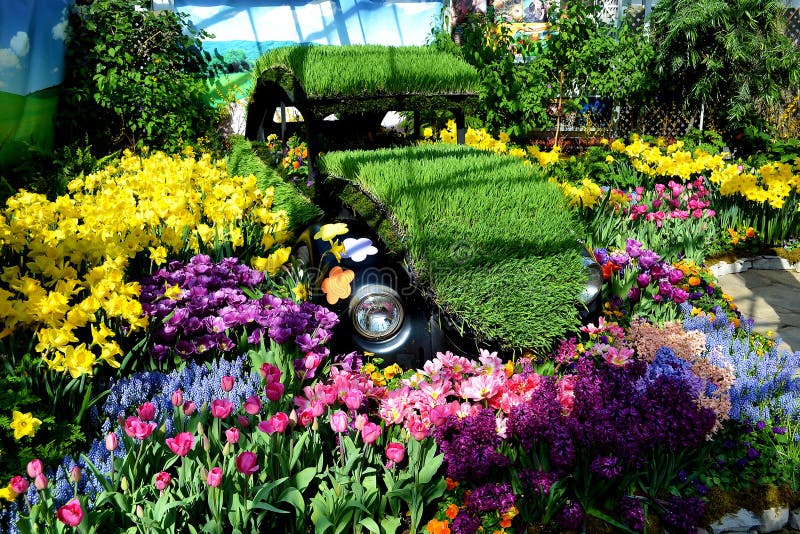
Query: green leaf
[370,525]
[389,525]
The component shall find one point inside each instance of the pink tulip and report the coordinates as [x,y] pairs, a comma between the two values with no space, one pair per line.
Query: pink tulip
[252,405]
[189,407]
[246,463]
[147,411]
[312,360]
[227,383]
[274,391]
[40,481]
[177,398]
[75,474]
[162,480]
[181,444]
[136,428]
[232,435]
[353,398]
[276,423]
[18,484]
[370,433]
[34,467]
[221,408]
[214,478]
[111,441]
[305,418]
[270,373]
[395,452]
[339,421]
[71,514]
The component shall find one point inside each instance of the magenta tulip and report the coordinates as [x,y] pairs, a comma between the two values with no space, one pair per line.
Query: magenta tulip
[147,411]
[227,383]
[181,444]
[252,405]
[221,408]
[71,514]
[136,428]
[370,433]
[246,463]
[18,484]
[395,452]
[274,391]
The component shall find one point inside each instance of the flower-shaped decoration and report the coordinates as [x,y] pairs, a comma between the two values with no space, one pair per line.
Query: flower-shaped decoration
[358,249]
[337,285]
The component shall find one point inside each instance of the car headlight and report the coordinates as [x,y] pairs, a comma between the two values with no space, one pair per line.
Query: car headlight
[376,311]
[594,280]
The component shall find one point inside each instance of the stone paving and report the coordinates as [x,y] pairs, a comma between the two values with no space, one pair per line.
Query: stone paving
[771,298]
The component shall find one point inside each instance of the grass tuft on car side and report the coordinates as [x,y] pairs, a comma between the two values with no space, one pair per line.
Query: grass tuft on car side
[488,234]
[242,161]
[357,70]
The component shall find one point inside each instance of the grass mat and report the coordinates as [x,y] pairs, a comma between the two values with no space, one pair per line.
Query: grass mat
[360,70]
[489,235]
[242,161]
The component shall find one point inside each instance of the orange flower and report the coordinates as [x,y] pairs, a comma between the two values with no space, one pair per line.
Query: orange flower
[750,233]
[505,522]
[296,164]
[452,511]
[451,484]
[435,526]
[694,281]
[337,285]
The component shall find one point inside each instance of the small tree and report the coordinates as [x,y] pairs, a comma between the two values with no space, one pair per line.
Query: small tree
[133,77]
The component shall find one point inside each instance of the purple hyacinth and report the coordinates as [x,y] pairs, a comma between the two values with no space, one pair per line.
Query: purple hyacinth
[470,446]
[490,498]
[571,516]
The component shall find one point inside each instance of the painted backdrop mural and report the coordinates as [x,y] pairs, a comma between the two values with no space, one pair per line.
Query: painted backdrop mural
[255,26]
[32,34]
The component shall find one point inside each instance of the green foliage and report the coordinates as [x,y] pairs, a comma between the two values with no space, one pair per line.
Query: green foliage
[133,78]
[325,71]
[515,279]
[242,161]
[731,55]
[22,389]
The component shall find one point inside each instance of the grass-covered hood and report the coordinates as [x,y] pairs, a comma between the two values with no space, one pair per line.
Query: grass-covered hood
[489,236]
[358,70]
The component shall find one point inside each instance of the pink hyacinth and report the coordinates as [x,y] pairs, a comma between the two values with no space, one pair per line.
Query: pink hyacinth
[181,444]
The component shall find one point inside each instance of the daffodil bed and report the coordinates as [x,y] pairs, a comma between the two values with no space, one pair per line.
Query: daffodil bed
[489,236]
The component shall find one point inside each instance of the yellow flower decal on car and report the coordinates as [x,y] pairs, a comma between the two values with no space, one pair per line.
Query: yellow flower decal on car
[329,231]
[24,424]
[337,285]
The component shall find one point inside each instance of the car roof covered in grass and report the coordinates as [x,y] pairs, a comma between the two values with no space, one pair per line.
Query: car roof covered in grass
[487,235]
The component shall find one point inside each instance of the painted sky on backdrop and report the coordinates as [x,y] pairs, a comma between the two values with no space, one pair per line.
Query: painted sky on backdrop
[32,36]
[272,22]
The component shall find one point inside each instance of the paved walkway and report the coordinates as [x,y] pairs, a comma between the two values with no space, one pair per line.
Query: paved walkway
[770,297]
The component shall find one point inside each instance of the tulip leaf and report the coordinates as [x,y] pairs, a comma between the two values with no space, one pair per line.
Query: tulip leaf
[370,525]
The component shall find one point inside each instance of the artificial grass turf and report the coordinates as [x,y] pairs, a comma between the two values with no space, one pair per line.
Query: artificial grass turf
[488,234]
[242,161]
[358,70]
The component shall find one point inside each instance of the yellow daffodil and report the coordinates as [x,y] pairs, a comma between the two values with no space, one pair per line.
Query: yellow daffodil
[300,292]
[274,261]
[24,424]
[8,494]
[337,249]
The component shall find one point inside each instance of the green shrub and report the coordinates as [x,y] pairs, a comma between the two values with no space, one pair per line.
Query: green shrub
[133,78]
[489,235]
